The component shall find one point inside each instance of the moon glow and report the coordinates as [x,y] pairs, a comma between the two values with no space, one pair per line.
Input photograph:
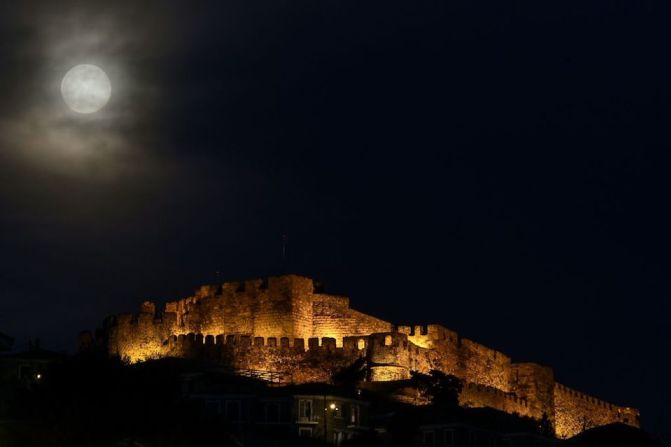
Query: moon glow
[86,88]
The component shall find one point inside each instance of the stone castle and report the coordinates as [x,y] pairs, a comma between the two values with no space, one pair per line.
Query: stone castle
[286,325]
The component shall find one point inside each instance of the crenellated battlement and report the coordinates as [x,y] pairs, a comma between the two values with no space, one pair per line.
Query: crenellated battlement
[324,344]
[288,325]
[427,334]
[559,388]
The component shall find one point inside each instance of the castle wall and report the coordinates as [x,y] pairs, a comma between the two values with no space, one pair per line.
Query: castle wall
[302,313]
[480,364]
[272,308]
[280,307]
[576,412]
[285,326]
[285,306]
[332,317]
[294,360]
[535,383]
[392,356]
[461,357]
[477,396]
[137,337]
[389,357]
[430,335]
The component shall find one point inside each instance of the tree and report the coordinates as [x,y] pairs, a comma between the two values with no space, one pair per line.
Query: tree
[351,375]
[545,426]
[442,389]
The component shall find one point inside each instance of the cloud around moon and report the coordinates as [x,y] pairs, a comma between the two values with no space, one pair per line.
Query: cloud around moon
[38,132]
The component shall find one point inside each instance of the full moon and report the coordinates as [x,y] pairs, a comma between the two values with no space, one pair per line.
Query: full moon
[86,88]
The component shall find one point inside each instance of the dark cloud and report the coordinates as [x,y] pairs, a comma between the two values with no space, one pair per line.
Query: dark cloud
[36,127]
[71,183]
[501,166]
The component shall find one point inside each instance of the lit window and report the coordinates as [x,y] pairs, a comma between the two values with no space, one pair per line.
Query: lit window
[387,340]
[355,415]
[304,410]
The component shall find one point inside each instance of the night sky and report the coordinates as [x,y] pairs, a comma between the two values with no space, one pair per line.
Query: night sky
[500,167]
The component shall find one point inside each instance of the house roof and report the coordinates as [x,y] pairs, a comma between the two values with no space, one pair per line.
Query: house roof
[35,355]
[615,435]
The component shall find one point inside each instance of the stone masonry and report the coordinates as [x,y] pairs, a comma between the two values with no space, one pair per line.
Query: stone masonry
[286,326]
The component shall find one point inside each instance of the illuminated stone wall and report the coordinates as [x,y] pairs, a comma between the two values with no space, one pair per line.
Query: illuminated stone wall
[476,396]
[294,360]
[285,306]
[280,307]
[286,325]
[462,357]
[576,412]
[535,383]
[332,317]
[138,337]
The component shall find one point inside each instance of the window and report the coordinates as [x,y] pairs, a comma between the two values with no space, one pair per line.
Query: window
[448,437]
[304,410]
[272,412]
[233,412]
[361,344]
[387,340]
[25,372]
[212,407]
[337,411]
[355,415]
[428,438]
[305,432]
[338,438]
